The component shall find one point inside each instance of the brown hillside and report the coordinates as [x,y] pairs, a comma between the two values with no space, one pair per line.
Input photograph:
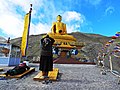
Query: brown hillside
[34,41]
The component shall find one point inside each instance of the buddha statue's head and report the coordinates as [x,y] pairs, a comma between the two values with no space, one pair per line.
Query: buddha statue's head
[59,18]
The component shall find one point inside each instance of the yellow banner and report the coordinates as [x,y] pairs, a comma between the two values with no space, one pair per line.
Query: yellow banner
[24,42]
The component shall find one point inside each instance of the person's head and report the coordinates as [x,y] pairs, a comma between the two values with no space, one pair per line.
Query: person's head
[47,36]
[59,18]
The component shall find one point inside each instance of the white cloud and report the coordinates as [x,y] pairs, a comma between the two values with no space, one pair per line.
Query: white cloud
[39,28]
[71,15]
[70,28]
[12,21]
[26,4]
[109,10]
[73,20]
[11,25]
[94,2]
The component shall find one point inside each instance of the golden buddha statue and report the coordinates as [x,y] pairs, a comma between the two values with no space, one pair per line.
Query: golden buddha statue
[59,32]
[59,27]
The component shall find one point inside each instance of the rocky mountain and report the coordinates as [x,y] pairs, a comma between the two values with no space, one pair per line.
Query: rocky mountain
[90,50]
[93,45]
[2,40]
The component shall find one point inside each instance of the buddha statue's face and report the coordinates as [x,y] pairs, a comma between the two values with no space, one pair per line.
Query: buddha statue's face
[59,18]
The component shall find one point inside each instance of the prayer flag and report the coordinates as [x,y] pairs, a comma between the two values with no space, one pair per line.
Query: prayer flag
[25,36]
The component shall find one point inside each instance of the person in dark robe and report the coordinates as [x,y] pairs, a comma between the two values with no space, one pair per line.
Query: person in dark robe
[8,41]
[46,58]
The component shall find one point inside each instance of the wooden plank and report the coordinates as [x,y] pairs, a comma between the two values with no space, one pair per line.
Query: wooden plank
[1,69]
[20,75]
[52,75]
[2,75]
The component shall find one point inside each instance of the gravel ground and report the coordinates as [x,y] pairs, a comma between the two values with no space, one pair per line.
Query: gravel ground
[74,77]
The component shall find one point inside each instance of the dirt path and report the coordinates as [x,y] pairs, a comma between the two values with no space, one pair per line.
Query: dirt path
[74,77]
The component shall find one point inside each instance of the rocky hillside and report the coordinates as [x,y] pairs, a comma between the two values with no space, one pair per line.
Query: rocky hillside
[93,42]
[2,40]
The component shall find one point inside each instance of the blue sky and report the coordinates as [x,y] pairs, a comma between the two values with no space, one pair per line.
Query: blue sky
[87,16]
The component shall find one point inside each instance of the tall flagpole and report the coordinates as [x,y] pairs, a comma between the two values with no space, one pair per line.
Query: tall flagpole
[29,25]
[25,36]
[30,8]
[30,11]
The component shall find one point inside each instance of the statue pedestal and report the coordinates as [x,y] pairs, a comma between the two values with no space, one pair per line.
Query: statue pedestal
[63,54]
